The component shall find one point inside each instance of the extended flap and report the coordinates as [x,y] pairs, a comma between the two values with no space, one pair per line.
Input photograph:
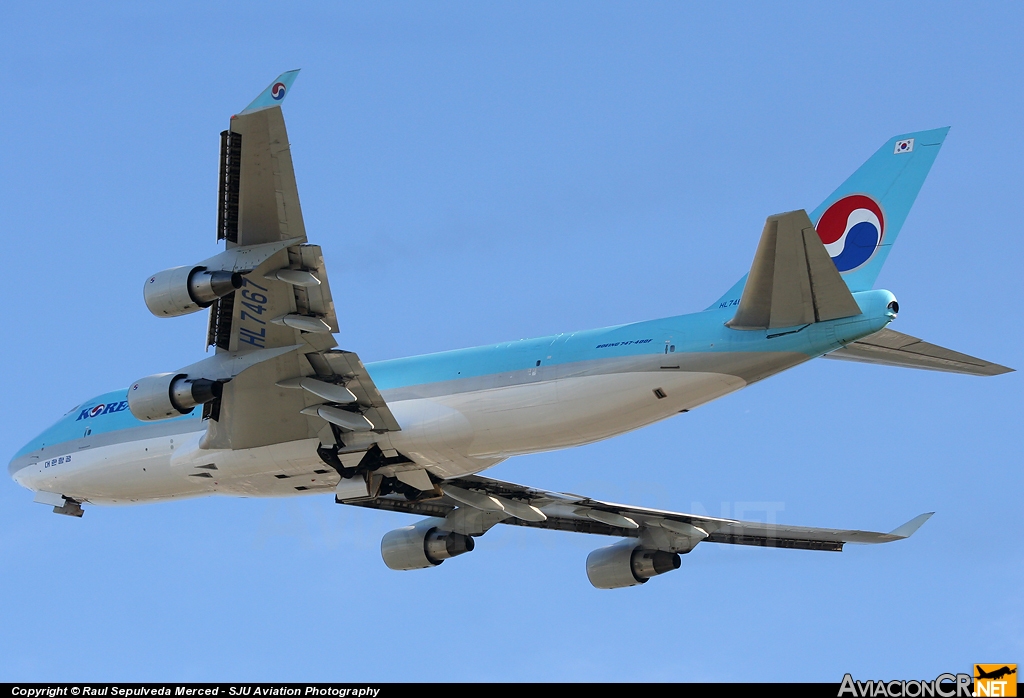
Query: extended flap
[347,364]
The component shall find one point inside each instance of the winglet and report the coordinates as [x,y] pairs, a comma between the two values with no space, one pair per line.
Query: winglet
[909,528]
[274,94]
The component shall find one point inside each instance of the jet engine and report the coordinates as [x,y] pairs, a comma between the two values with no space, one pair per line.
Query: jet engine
[626,564]
[184,290]
[166,395]
[422,545]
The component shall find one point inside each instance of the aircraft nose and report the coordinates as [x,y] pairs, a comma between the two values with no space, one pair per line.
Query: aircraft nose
[18,470]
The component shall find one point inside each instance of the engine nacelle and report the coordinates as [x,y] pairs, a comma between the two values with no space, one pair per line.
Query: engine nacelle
[422,545]
[166,395]
[184,290]
[626,564]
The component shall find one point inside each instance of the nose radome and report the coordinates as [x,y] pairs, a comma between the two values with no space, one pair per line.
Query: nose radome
[18,469]
[16,475]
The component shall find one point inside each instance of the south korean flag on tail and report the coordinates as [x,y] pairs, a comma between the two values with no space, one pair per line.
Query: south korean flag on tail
[906,146]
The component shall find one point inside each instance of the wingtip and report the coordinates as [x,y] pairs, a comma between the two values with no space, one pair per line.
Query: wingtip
[931,136]
[274,94]
[909,528]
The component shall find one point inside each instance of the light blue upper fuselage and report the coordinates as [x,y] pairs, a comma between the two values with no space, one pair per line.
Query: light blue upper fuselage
[703,332]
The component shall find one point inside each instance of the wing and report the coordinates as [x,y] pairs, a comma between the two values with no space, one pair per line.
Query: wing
[471,505]
[896,349]
[284,301]
[285,290]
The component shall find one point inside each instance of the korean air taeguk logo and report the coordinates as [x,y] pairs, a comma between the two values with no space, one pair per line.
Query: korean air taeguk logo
[277,91]
[851,230]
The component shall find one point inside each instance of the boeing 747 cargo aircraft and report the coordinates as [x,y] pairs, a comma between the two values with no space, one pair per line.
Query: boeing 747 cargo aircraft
[279,410]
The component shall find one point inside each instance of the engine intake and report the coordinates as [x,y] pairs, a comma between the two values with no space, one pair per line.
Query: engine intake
[626,564]
[184,290]
[166,395]
[422,545]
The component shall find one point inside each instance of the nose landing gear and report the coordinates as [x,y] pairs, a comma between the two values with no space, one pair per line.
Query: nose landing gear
[69,508]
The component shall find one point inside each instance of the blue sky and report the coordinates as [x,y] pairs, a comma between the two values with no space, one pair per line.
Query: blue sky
[484,172]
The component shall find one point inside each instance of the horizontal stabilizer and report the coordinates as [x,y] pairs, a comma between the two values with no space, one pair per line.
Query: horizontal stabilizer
[896,349]
[792,281]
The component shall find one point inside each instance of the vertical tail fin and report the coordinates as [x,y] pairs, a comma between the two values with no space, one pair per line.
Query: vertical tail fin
[859,222]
